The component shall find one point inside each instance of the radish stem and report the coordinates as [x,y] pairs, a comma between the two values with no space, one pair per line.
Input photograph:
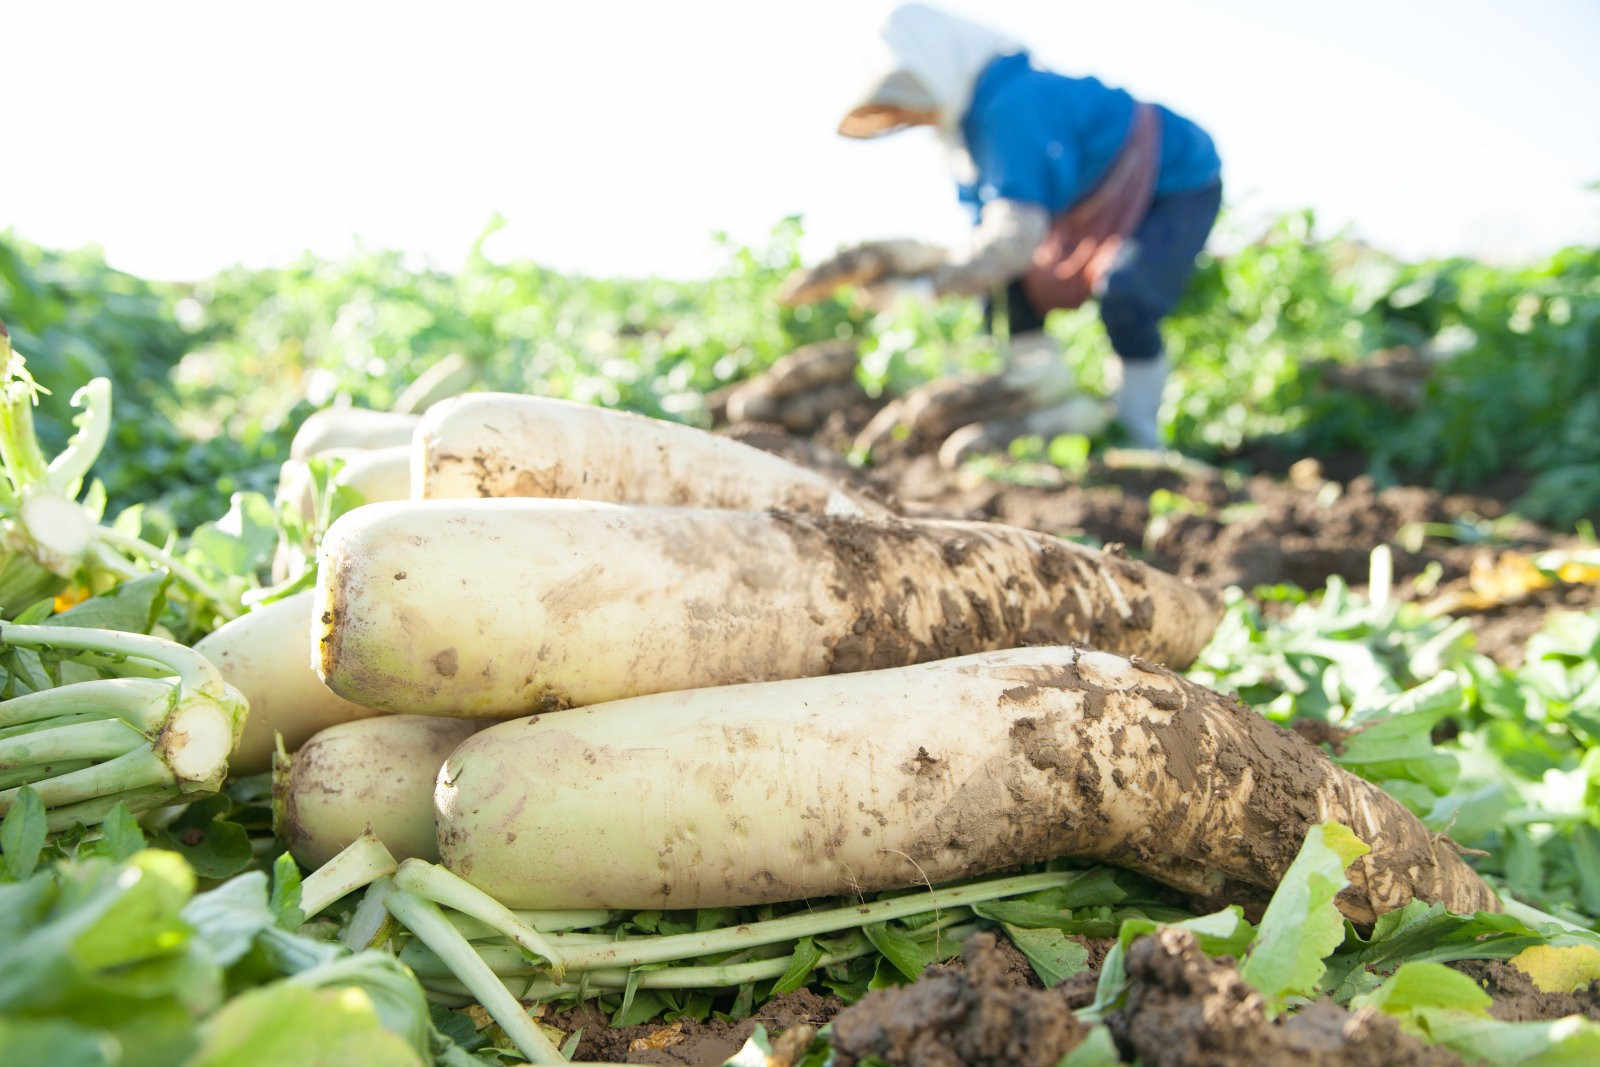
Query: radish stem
[98,740]
[639,951]
[192,669]
[124,698]
[85,745]
[555,922]
[423,918]
[437,884]
[359,864]
[134,770]
[40,771]
[368,920]
[144,549]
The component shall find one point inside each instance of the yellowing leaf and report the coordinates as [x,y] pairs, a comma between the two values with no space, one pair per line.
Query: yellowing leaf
[1559,970]
[665,1037]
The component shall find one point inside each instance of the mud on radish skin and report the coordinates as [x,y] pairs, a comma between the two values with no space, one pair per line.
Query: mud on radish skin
[818,787]
[494,608]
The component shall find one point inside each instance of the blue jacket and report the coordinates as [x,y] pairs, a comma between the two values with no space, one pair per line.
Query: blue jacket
[1046,139]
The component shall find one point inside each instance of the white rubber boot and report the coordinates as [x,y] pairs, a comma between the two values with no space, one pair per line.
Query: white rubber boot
[1139,400]
[1034,365]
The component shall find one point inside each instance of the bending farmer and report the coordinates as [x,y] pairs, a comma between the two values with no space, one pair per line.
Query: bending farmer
[1077,190]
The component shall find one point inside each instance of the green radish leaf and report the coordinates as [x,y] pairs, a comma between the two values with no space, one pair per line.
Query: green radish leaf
[216,847]
[56,1042]
[134,606]
[1427,985]
[1302,925]
[1097,1049]
[22,833]
[1053,955]
[121,833]
[569,1047]
[285,899]
[1423,932]
[907,955]
[229,917]
[1586,852]
[801,964]
[286,1022]
[1524,864]
[1402,747]
[1448,1008]
[744,1002]
[1095,922]
[401,1005]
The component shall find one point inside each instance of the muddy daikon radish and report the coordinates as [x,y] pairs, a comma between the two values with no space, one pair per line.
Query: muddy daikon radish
[819,787]
[494,608]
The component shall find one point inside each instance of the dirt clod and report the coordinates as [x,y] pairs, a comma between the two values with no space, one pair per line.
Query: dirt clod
[1517,999]
[1185,1009]
[974,1016]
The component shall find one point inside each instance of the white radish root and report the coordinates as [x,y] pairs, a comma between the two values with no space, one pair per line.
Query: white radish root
[494,608]
[266,655]
[373,774]
[826,786]
[506,445]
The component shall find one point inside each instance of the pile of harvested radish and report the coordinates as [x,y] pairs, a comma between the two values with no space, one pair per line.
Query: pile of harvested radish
[567,661]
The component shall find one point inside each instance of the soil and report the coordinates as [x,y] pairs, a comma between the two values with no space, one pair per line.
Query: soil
[686,1041]
[987,1007]
[1516,999]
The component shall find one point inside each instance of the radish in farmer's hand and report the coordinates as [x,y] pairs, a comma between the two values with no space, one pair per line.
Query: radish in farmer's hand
[493,608]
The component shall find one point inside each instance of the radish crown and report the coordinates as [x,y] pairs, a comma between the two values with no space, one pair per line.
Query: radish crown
[85,746]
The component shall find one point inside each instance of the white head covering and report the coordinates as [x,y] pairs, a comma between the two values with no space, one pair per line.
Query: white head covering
[944,54]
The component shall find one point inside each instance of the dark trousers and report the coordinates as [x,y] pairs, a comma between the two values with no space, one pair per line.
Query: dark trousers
[1146,279]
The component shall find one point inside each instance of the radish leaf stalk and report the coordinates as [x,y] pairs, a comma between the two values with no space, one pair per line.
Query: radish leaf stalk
[84,746]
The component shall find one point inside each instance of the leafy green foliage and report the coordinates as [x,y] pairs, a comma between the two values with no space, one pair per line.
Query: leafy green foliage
[1302,925]
[212,378]
[1446,1007]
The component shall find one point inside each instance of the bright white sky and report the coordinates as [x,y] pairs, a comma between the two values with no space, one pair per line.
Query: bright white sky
[616,136]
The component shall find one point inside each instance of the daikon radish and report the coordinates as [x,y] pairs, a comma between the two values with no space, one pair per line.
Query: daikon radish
[506,445]
[333,428]
[264,654]
[376,773]
[494,608]
[377,474]
[818,787]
